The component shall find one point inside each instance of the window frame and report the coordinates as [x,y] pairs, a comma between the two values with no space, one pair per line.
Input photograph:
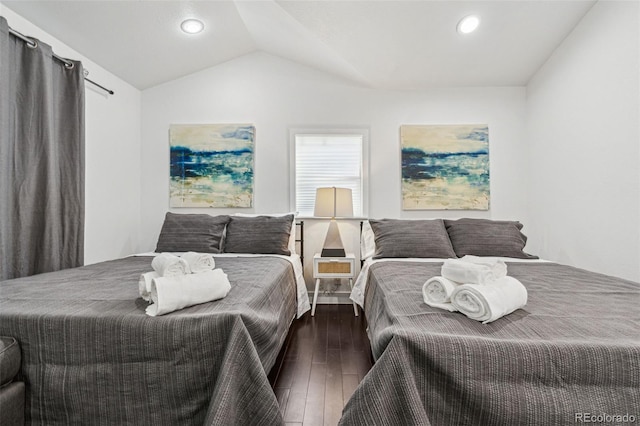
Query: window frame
[330,131]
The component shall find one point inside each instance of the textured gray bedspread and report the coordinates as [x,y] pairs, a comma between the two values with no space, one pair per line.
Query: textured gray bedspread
[90,354]
[574,349]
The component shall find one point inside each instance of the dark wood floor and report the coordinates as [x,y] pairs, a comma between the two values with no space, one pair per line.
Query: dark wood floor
[326,357]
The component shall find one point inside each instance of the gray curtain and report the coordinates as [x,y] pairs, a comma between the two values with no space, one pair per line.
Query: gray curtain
[41,159]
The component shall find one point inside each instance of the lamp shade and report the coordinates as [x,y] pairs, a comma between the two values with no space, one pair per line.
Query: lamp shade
[333,202]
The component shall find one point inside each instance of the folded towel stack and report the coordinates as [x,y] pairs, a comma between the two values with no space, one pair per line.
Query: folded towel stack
[477,287]
[179,282]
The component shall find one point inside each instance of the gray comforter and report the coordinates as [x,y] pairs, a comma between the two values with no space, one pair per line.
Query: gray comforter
[92,356]
[572,353]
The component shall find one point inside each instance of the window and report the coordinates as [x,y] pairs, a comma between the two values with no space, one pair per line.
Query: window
[328,158]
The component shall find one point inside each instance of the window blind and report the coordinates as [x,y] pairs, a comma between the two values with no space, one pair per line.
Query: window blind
[327,160]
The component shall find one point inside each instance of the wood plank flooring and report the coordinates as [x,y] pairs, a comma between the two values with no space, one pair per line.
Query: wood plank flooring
[325,358]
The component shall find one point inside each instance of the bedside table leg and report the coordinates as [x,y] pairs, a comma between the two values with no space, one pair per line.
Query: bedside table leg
[355,305]
[315,297]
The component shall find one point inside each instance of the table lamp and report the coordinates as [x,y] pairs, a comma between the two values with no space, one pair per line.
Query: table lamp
[333,202]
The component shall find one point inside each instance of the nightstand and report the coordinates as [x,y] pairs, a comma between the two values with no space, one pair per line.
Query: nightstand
[333,267]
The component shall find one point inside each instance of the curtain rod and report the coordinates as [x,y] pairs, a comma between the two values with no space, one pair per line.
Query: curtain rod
[33,44]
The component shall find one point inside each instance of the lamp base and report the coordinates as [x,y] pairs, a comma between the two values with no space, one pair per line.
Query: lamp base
[333,246]
[333,252]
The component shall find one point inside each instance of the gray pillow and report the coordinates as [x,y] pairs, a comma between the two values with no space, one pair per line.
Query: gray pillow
[259,235]
[201,233]
[484,237]
[411,238]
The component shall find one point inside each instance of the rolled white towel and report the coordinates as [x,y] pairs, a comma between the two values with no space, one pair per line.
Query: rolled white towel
[168,265]
[487,303]
[144,284]
[199,262]
[172,293]
[437,291]
[462,271]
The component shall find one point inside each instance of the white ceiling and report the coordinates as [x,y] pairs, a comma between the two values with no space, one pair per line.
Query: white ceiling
[390,44]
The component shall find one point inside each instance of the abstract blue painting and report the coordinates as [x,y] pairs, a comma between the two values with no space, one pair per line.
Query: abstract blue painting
[445,167]
[211,165]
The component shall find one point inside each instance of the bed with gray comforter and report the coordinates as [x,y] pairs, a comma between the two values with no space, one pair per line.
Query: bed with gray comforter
[571,354]
[92,356]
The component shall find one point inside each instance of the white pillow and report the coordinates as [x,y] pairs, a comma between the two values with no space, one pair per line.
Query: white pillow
[367,241]
[292,234]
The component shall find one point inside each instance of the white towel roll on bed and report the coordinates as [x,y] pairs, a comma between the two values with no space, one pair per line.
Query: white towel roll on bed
[168,265]
[199,262]
[144,284]
[437,291]
[473,270]
[487,303]
[172,293]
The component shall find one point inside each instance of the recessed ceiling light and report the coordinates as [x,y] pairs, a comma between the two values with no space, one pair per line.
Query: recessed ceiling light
[192,26]
[468,24]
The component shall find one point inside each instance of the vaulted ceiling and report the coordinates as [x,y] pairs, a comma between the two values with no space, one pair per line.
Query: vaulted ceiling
[394,44]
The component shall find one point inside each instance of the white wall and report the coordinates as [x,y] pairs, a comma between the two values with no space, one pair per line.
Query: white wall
[275,95]
[112,141]
[584,138]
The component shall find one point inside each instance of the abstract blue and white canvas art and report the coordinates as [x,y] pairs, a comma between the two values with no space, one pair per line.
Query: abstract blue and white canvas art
[445,167]
[211,165]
